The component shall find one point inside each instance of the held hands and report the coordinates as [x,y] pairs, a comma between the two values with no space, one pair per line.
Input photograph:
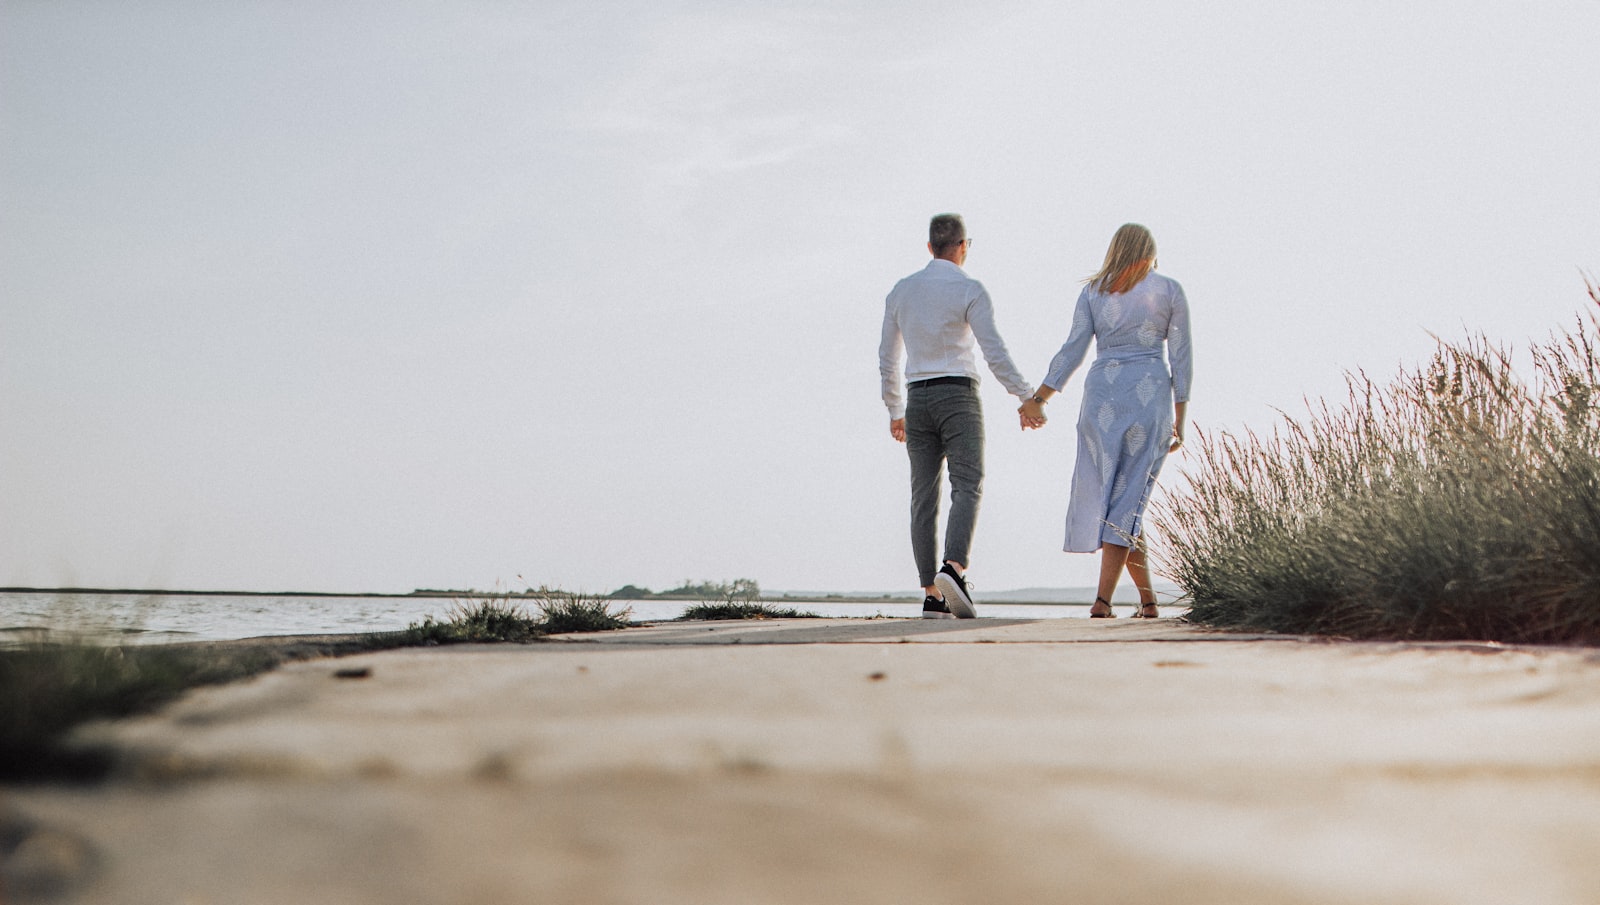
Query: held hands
[1031,414]
[1177,440]
[897,429]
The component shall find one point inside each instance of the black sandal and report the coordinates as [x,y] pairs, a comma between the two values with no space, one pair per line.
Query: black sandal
[1141,614]
[1108,614]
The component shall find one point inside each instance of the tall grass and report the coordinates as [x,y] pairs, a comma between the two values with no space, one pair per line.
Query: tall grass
[1458,501]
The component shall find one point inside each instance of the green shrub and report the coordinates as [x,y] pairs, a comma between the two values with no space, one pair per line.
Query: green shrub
[48,688]
[564,611]
[509,620]
[1458,501]
[745,610]
[476,621]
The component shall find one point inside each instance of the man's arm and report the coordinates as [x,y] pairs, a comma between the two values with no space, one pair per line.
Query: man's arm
[980,316]
[891,357]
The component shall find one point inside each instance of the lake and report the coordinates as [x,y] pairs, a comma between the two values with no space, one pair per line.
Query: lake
[157,618]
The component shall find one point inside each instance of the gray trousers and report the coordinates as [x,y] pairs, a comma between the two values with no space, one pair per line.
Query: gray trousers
[944,423]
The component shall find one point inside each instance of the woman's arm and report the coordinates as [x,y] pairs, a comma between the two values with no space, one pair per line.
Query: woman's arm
[1075,348]
[1180,346]
[1180,357]
[1066,361]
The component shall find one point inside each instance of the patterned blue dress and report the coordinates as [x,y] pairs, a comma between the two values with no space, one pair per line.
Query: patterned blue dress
[1125,425]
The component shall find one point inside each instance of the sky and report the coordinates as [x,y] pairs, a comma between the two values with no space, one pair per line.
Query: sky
[379,296]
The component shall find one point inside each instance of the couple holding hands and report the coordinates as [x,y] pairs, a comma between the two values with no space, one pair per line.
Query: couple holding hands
[1132,415]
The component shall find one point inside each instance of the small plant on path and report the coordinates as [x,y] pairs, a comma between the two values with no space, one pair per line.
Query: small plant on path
[752,609]
[566,611]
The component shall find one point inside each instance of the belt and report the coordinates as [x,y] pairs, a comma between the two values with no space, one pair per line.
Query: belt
[940,381]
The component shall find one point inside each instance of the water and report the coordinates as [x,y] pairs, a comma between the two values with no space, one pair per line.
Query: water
[158,618]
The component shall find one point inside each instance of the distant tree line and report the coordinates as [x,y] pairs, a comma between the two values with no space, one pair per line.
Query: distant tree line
[739,589]
[746,589]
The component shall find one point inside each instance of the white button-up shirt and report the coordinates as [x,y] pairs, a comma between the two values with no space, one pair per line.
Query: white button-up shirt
[931,319]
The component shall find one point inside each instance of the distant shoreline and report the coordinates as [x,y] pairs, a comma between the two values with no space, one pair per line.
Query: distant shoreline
[428,593]
[861,598]
[157,592]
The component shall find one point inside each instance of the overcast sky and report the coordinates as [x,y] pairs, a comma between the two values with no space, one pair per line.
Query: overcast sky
[375,296]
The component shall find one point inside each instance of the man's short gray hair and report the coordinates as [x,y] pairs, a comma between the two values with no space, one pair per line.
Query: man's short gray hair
[945,232]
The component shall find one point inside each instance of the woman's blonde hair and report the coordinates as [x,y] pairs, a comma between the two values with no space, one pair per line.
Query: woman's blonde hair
[1130,258]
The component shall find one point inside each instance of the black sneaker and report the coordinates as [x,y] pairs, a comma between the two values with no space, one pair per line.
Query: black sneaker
[934,608]
[954,589]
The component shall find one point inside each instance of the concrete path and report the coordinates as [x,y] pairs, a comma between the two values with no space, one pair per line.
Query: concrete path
[856,761]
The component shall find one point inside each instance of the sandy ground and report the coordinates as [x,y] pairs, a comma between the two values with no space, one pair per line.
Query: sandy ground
[839,761]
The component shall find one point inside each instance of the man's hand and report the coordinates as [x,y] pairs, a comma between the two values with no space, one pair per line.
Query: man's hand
[897,429]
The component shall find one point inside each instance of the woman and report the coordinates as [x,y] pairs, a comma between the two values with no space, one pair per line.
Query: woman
[1131,407]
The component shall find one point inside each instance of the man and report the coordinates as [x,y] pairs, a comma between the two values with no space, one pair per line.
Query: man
[931,319]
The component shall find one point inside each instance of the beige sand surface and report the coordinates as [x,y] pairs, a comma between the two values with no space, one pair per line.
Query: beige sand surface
[841,761]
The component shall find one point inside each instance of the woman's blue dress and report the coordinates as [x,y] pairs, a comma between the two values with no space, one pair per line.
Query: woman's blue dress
[1125,425]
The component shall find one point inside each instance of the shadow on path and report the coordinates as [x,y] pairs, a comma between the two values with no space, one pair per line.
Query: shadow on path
[798,631]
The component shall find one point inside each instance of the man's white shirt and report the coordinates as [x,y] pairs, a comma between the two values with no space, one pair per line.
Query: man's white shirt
[930,320]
